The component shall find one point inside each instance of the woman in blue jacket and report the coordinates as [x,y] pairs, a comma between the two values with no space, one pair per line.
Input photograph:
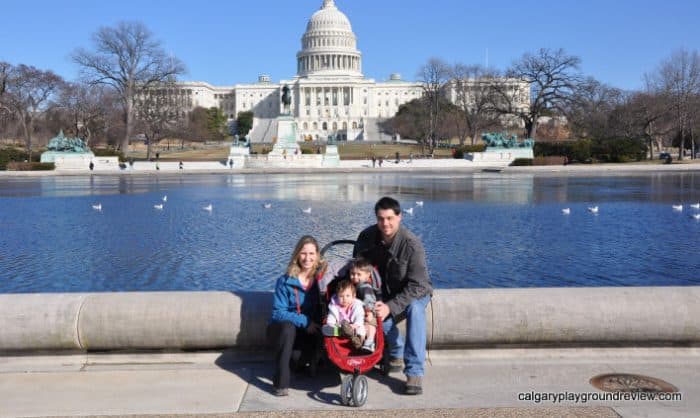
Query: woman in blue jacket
[294,328]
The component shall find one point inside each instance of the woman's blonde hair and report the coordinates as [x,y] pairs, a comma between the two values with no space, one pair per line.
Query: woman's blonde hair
[293,266]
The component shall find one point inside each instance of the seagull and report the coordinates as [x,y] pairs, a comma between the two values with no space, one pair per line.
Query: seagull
[677,207]
[208,207]
[566,211]
[159,207]
[409,211]
[267,205]
[97,206]
[695,205]
[307,210]
[696,216]
[165,198]
[593,209]
[419,203]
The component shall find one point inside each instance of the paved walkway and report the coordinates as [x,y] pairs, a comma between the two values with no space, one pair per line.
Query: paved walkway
[476,383]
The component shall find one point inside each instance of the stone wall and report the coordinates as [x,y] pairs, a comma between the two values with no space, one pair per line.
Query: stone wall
[458,318]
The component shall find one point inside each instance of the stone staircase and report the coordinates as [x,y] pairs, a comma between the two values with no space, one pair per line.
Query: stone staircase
[264,129]
[373,132]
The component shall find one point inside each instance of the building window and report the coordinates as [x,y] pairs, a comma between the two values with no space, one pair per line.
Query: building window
[335,126]
[325,126]
[354,125]
[345,125]
[315,125]
[306,126]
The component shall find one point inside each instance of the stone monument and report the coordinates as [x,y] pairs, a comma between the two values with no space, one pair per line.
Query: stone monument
[331,157]
[68,153]
[287,132]
[501,150]
[497,142]
[239,152]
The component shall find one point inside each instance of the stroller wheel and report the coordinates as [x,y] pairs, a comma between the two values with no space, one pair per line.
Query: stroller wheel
[360,390]
[346,389]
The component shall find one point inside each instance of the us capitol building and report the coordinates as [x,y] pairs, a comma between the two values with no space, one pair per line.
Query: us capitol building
[329,94]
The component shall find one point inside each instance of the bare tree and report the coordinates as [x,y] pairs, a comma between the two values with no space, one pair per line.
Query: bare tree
[679,78]
[158,115]
[434,76]
[28,94]
[86,107]
[474,93]
[653,116]
[129,60]
[589,108]
[551,76]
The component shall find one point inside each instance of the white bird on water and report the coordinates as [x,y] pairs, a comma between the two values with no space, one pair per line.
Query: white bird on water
[307,210]
[566,211]
[267,205]
[165,198]
[677,207]
[158,207]
[593,209]
[696,216]
[208,208]
[97,206]
[695,205]
[409,211]
[419,203]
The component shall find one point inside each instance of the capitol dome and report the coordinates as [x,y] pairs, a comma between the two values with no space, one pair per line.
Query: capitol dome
[329,46]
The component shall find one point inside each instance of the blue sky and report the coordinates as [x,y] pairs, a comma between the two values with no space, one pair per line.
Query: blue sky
[229,42]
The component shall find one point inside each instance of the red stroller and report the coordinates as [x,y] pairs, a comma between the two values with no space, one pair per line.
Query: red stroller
[354,387]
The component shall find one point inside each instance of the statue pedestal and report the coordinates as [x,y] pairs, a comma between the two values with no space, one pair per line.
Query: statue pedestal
[64,160]
[287,135]
[331,157]
[239,155]
[501,157]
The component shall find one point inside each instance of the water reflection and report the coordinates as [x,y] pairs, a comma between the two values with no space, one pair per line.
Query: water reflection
[480,230]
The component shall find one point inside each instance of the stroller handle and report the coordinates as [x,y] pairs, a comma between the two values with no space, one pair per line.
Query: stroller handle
[336,242]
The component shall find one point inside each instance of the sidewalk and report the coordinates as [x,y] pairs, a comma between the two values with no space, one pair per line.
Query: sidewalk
[457,383]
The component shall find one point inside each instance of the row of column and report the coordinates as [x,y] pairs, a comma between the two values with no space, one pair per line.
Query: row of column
[344,96]
[328,62]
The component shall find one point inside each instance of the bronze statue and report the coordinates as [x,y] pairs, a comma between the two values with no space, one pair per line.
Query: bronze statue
[286,99]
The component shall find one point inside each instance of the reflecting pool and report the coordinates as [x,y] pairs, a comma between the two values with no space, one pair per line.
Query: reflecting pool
[479,230]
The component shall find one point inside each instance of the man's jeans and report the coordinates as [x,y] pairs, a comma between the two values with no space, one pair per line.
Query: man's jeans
[413,350]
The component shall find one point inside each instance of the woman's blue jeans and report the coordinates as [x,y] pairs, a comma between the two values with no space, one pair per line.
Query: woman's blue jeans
[412,348]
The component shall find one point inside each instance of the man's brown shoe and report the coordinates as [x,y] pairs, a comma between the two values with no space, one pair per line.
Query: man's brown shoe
[414,385]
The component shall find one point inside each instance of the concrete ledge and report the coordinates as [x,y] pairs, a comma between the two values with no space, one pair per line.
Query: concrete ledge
[458,318]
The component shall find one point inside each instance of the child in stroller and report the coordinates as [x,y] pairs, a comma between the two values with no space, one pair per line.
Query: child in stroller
[341,350]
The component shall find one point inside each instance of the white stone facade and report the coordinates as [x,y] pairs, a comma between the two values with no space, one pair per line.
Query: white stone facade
[330,95]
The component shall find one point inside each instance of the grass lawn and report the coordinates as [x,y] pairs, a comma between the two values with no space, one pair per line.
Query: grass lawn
[220,151]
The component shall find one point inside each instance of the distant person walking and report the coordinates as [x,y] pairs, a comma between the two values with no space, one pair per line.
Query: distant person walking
[180,165]
[92,165]
[230,162]
[374,161]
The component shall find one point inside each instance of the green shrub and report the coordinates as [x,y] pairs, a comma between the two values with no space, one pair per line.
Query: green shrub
[521,162]
[617,150]
[29,166]
[460,150]
[11,154]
